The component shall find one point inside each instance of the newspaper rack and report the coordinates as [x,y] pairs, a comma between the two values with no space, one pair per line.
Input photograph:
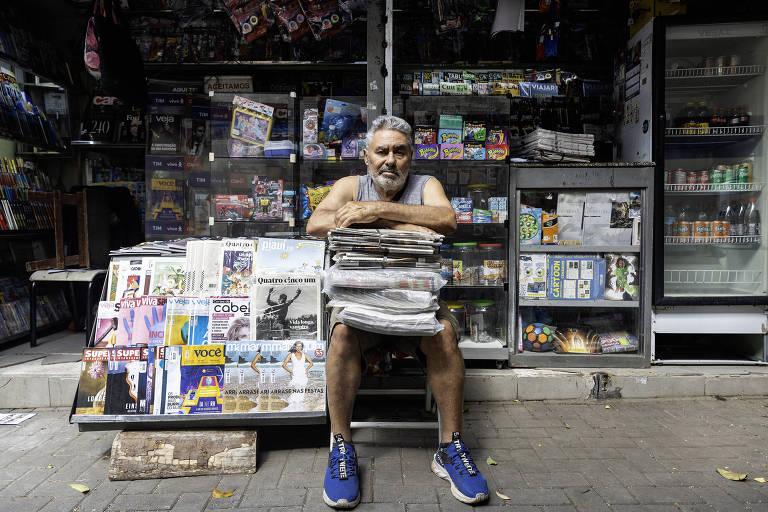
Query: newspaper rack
[86,422]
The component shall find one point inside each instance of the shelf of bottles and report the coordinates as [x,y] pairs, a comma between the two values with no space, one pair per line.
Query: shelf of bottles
[716,131]
[711,188]
[693,241]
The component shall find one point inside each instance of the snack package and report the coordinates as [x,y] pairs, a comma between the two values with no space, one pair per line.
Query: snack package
[474,151]
[324,18]
[449,136]
[451,151]
[291,17]
[425,135]
[311,197]
[462,206]
[427,152]
[530,225]
[474,132]
[498,207]
[548,228]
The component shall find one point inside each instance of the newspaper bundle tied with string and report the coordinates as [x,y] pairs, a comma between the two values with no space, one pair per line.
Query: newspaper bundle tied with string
[386,280]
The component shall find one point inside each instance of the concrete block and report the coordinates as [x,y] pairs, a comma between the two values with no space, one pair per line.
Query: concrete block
[552,386]
[62,391]
[483,386]
[162,454]
[742,385]
[24,391]
[658,386]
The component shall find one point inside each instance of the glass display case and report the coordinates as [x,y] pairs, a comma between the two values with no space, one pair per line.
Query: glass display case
[583,265]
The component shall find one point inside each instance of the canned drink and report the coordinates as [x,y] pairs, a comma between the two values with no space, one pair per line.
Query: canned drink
[704,179]
[667,179]
[709,63]
[679,177]
[729,177]
[721,229]
[716,176]
[748,166]
[691,179]
[742,176]
[720,63]
[735,60]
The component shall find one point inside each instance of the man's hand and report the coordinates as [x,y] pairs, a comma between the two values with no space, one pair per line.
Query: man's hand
[356,212]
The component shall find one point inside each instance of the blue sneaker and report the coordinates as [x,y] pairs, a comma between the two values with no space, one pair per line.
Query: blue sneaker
[342,485]
[455,464]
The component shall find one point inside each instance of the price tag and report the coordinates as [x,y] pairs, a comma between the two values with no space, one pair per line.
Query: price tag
[210,221]
[211,156]
[292,158]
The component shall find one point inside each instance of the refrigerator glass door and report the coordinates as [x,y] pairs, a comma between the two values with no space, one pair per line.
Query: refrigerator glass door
[715,161]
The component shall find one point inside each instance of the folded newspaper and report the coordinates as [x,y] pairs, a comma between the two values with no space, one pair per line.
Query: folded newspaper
[552,146]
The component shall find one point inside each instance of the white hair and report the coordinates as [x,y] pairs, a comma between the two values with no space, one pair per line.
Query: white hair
[389,123]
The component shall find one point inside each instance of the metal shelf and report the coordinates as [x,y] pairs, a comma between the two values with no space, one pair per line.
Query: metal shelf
[579,303]
[716,277]
[493,353]
[711,188]
[712,135]
[580,248]
[473,287]
[16,233]
[712,241]
[717,78]
[244,65]
[94,144]
[148,421]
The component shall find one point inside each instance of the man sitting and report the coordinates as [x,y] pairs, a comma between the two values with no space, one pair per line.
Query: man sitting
[388,197]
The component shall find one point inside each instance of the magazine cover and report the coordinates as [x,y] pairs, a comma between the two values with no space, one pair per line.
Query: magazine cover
[196,137]
[202,376]
[166,200]
[164,134]
[267,198]
[149,321]
[167,276]
[91,390]
[198,321]
[171,386]
[105,334]
[126,316]
[297,377]
[132,127]
[229,319]
[177,316]
[621,280]
[129,279]
[148,264]
[285,306]
[156,364]
[113,277]
[124,371]
[157,351]
[246,388]
[236,266]
[280,255]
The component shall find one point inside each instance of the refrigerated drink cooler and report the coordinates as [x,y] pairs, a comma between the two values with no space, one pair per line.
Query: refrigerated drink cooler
[694,103]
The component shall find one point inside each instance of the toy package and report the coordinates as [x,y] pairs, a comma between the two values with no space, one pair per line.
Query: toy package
[576,339]
[548,228]
[533,276]
[289,205]
[427,152]
[324,17]
[251,126]
[340,119]
[621,280]
[574,278]
[349,147]
[530,225]
[267,198]
[233,207]
[311,197]
[202,373]
[617,341]
[309,125]
[314,151]
[291,17]
[451,151]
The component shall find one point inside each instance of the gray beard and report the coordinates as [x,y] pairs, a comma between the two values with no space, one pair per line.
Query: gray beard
[388,184]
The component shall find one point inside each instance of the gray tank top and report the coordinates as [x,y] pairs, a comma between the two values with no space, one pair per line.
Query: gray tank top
[412,193]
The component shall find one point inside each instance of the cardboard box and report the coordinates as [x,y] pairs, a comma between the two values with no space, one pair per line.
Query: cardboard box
[532,276]
[574,278]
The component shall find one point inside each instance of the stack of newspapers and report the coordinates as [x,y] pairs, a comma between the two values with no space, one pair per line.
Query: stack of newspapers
[551,146]
[386,280]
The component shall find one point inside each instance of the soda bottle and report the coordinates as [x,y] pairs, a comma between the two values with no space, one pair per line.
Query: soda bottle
[670,229]
[702,117]
[752,219]
[702,226]
[721,227]
[684,224]
[737,226]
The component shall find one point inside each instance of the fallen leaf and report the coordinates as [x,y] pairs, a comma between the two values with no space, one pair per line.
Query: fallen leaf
[760,479]
[221,494]
[539,445]
[502,496]
[80,487]
[730,475]
[567,426]
[519,400]
[490,461]
[466,408]
[607,406]
[674,469]
[50,466]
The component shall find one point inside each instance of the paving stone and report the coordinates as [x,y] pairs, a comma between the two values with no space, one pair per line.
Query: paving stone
[274,498]
[62,504]
[192,502]
[24,503]
[387,471]
[559,479]
[404,494]
[237,483]
[184,484]
[587,499]
[538,496]
[99,498]
[131,502]
[145,486]
[615,495]
[658,495]
[420,507]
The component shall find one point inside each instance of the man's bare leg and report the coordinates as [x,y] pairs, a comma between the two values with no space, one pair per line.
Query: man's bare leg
[342,373]
[445,375]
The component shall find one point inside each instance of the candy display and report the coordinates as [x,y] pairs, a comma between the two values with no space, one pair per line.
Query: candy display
[311,197]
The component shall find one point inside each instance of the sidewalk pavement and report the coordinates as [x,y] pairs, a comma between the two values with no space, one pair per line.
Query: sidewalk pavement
[637,455]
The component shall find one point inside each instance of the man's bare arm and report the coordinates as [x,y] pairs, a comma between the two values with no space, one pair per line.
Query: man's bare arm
[436,213]
[323,218]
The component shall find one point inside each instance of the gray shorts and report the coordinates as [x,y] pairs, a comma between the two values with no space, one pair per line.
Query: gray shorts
[370,342]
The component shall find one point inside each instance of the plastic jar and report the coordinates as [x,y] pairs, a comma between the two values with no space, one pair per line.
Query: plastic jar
[465,263]
[479,193]
[446,262]
[482,321]
[459,311]
[493,264]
